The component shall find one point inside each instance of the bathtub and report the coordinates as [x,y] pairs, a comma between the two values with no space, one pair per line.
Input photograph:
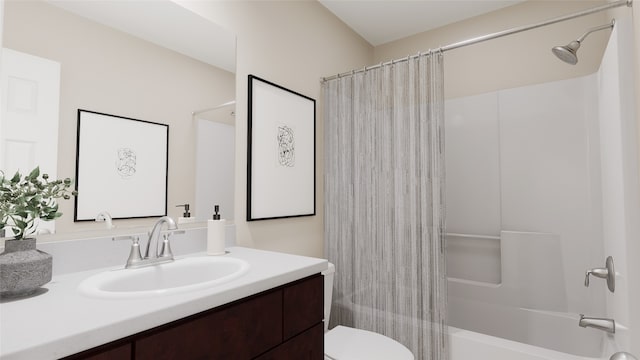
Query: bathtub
[556,335]
[469,345]
[514,333]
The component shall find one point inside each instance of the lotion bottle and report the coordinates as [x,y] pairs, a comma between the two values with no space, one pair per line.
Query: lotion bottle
[186,217]
[216,229]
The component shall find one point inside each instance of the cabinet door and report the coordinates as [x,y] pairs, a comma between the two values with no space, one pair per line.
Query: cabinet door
[307,346]
[303,305]
[239,331]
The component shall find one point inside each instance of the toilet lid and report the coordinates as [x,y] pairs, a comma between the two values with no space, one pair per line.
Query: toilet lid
[345,343]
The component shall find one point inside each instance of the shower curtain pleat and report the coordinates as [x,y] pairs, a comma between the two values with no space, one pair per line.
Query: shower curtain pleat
[384,202]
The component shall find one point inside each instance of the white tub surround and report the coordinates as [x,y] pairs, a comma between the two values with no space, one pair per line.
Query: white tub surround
[558,195]
[531,195]
[62,321]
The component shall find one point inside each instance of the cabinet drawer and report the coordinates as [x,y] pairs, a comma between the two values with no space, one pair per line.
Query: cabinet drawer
[240,331]
[303,305]
[306,346]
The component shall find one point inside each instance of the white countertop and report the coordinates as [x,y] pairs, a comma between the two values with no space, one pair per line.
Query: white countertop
[62,321]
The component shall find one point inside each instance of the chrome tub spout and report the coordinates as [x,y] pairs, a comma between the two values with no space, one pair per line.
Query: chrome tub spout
[608,325]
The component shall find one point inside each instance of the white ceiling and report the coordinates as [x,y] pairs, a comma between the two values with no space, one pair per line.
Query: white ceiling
[164,23]
[172,26]
[382,21]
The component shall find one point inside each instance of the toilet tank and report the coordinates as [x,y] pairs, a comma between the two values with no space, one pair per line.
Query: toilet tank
[328,292]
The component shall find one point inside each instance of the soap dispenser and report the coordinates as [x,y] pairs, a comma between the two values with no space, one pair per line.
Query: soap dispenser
[186,217]
[216,230]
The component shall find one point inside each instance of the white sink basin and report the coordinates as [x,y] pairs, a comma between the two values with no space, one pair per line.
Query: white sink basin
[182,275]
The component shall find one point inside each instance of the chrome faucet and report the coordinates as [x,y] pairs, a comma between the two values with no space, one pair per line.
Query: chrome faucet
[163,251]
[105,217]
[608,325]
[171,225]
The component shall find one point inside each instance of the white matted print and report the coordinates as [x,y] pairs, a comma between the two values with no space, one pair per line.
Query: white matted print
[281,152]
[121,167]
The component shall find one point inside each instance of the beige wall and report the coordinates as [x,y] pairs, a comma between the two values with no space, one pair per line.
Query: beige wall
[1,24]
[293,44]
[109,71]
[511,61]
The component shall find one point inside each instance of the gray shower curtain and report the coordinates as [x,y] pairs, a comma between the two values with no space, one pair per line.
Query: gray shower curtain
[384,202]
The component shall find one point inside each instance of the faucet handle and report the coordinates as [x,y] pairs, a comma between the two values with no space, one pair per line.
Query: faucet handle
[134,255]
[586,278]
[602,273]
[165,250]
[134,238]
[607,272]
[165,247]
[170,232]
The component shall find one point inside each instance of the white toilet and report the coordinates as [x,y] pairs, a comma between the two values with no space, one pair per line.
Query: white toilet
[345,343]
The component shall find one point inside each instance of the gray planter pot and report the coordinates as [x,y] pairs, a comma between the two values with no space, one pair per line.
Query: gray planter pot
[23,268]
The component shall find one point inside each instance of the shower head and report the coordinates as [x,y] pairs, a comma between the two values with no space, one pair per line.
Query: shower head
[568,53]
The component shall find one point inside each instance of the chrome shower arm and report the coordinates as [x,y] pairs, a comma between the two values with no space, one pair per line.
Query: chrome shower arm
[568,53]
[597,28]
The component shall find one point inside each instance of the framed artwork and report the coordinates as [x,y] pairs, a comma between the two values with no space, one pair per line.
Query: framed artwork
[281,178]
[121,167]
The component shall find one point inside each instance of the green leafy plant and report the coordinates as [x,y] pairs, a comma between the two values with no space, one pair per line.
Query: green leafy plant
[25,199]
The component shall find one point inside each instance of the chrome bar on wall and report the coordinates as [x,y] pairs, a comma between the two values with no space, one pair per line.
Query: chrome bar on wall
[471,236]
[197,112]
[492,36]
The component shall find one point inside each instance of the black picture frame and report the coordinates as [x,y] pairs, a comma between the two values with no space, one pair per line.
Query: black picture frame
[122,167]
[281,152]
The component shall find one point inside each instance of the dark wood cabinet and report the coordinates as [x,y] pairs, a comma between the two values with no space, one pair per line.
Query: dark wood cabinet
[308,345]
[282,323]
[112,351]
[242,331]
[303,306]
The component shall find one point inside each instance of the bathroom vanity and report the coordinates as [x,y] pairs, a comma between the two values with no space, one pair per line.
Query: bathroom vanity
[273,311]
[285,322]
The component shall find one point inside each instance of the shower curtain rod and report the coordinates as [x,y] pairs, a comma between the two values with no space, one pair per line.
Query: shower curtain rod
[492,36]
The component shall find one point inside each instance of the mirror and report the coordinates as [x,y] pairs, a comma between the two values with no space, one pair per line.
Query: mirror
[154,61]
[215,155]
